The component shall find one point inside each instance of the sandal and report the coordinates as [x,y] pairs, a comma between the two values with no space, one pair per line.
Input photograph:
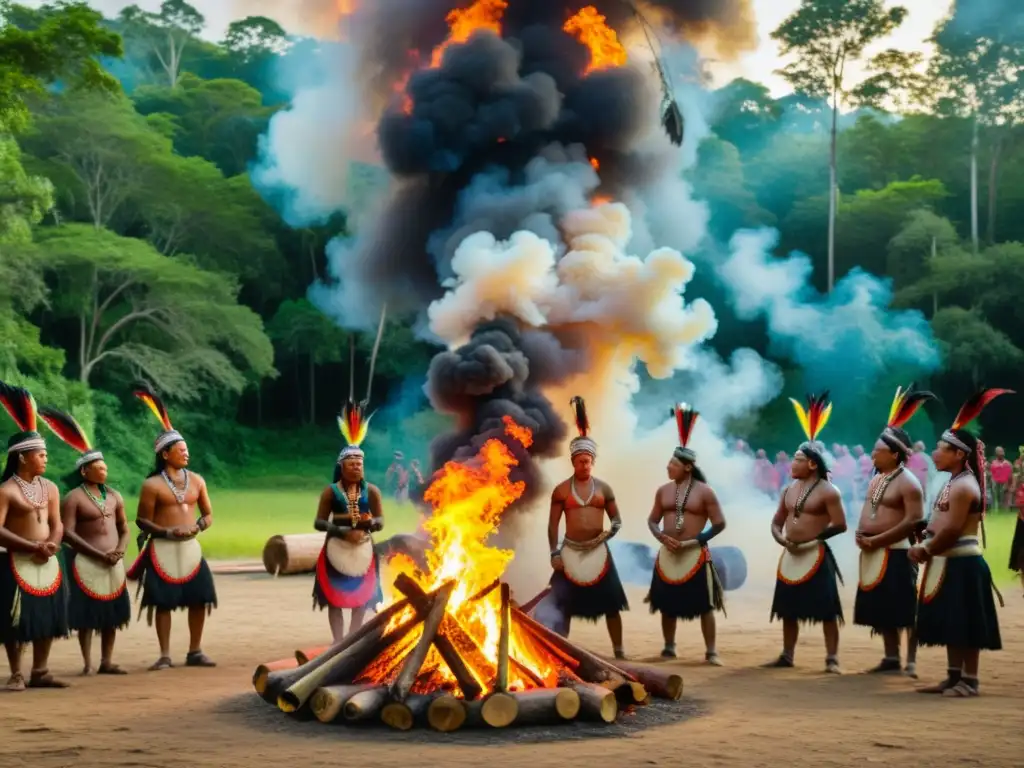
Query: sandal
[162,663]
[832,667]
[885,666]
[713,660]
[938,687]
[961,691]
[43,679]
[110,669]
[16,683]
[200,659]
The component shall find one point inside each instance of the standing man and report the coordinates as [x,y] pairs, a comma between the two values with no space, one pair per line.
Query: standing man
[96,531]
[684,584]
[398,476]
[171,566]
[887,590]
[1001,472]
[956,608]
[33,596]
[810,513]
[585,581]
[348,569]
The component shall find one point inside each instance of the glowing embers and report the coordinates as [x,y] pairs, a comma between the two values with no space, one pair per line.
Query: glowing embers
[463,22]
[589,27]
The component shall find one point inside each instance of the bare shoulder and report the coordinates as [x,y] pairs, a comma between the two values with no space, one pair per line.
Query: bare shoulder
[197,478]
[606,490]
[909,482]
[705,490]
[51,487]
[116,494]
[561,491]
[154,483]
[371,490]
[828,492]
[967,488]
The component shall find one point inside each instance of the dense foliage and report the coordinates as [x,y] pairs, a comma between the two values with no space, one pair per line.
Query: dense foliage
[132,242]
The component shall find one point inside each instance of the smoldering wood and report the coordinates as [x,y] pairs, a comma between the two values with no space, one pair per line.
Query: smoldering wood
[495,710]
[261,674]
[446,713]
[414,661]
[546,706]
[597,703]
[365,705]
[403,715]
[304,656]
[660,683]
[327,702]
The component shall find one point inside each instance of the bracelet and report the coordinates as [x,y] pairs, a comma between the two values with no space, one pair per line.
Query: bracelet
[556,553]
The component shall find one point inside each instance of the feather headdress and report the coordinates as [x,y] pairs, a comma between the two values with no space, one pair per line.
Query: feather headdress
[905,404]
[686,419]
[353,420]
[70,432]
[21,407]
[584,443]
[170,435]
[812,420]
[962,440]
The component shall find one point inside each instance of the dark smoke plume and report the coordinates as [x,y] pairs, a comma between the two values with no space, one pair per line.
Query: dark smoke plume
[475,145]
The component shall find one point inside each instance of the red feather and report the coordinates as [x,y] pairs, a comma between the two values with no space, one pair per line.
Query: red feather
[66,428]
[816,406]
[18,402]
[970,410]
[580,410]
[146,394]
[909,403]
[686,420]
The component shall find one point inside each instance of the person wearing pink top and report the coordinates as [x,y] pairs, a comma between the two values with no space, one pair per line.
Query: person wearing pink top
[782,465]
[766,479]
[1001,472]
[918,464]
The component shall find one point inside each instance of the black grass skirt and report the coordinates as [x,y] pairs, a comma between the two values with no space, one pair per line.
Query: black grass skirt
[962,614]
[590,603]
[892,603]
[38,618]
[701,594]
[814,601]
[1017,548]
[91,613]
[158,594]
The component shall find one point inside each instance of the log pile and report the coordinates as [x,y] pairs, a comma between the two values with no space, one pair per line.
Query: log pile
[371,674]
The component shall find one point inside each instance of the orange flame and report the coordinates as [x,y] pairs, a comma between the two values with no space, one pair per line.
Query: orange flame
[588,26]
[468,499]
[597,200]
[463,22]
[345,7]
[596,163]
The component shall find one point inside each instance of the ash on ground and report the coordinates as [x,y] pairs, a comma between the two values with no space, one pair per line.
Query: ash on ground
[257,713]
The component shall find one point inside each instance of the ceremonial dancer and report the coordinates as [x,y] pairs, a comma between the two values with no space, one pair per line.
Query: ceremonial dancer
[810,512]
[956,608]
[585,582]
[349,511]
[96,532]
[887,589]
[684,584]
[33,595]
[171,569]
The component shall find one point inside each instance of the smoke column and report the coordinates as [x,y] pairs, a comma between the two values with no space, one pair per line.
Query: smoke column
[534,225]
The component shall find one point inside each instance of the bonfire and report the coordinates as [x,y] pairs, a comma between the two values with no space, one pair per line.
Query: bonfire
[452,648]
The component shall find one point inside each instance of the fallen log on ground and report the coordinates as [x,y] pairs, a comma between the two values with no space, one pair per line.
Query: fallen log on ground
[304,656]
[597,703]
[446,713]
[402,715]
[660,682]
[365,705]
[546,706]
[293,553]
[327,702]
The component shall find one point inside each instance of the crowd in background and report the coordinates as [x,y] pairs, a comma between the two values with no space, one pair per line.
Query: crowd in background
[851,471]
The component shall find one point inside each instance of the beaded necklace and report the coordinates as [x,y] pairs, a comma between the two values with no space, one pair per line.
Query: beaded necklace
[99,502]
[38,499]
[879,485]
[798,509]
[179,493]
[681,499]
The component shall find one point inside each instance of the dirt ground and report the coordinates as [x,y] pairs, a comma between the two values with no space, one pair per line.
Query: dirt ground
[751,717]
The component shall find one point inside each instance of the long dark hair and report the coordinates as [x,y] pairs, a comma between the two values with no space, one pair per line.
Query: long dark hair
[11,466]
[159,465]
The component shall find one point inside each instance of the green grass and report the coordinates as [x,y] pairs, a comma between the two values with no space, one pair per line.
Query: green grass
[999,528]
[244,520]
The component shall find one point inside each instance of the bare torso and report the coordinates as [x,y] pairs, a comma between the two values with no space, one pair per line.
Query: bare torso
[813,518]
[583,521]
[695,515]
[25,519]
[891,509]
[168,511]
[98,527]
[940,512]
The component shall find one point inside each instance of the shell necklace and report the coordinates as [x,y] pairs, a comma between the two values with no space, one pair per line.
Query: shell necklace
[99,502]
[799,508]
[590,496]
[37,498]
[179,493]
[942,502]
[879,485]
[681,499]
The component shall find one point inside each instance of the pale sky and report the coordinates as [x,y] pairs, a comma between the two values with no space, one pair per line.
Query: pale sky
[758,65]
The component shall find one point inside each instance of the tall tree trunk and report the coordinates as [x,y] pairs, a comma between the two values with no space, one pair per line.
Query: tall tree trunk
[935,294]
[974,186]
[993,189]
[832,202]
[298,389]
[259,404]
[312,389]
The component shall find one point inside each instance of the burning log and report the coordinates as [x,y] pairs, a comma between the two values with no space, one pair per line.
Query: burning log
[501,679]
[546,706]
[450,637]
[262,673]
[328,702]
[446,713]
[498,710]
[592,668]
[597,703]
[365,705]
[295,553]
[279,680]
[307,655]
[660,682]
[414,662]
[402,715]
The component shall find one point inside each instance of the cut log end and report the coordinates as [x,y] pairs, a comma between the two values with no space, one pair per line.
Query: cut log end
[446,714]
[499,710]
[597,703]
[546,706]
[398,715]
[659,682]
[259,678]
[365,705]
[567,703]
[294,553]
